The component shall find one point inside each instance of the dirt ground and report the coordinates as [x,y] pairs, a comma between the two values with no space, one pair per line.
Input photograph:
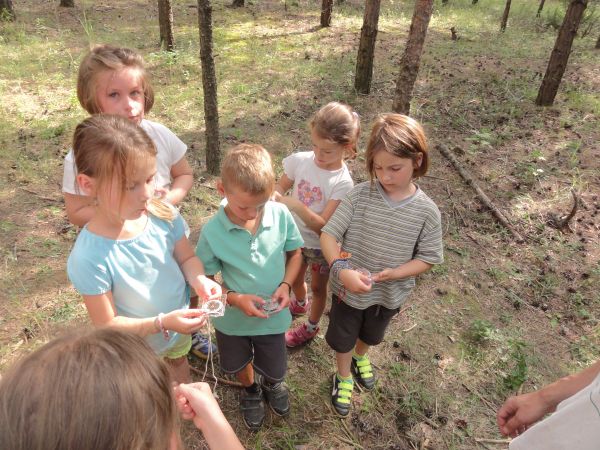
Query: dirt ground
[498,317]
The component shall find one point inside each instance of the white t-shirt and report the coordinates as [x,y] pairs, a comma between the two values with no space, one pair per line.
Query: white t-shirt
[170,151]
[314,187]
[574,426]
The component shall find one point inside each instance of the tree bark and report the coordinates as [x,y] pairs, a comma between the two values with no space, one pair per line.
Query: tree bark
[366,47]
[474,2]
[560,53]
[598,42]
[539,11]
[165,22]
[7,12]
[237,4]
[209,86]
[67,3]
[326,8]
[411,59]
[505,16]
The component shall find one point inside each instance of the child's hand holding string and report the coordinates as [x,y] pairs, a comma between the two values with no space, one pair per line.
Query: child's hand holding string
[249,304]
[354,281]
[282,296]
[184,321]
[207,289]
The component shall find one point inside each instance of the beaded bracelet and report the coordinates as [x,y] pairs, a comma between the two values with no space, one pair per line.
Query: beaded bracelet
[159,322]
[339,265]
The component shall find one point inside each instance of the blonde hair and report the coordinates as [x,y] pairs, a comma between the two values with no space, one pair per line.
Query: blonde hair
[102,389]
[400,136]
[108,147]
[338,123]
[108,57]
[249,168]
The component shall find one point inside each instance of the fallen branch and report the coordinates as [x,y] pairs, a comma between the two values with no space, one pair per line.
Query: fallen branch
[493,441]
[217,379]
[42,197]
[480,194]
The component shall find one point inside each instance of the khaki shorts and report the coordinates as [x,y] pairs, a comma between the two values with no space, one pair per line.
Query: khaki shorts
[181,347]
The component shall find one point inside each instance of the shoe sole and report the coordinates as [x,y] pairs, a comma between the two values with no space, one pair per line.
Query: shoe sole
[308,341]
[278,414]
[252,428]
[335,411]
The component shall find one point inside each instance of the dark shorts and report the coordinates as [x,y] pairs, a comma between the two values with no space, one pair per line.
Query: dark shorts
[267,353]
[347,324]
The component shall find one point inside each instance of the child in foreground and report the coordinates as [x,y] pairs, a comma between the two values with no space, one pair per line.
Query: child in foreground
[132,259]
[113,80]
[255,245]
[389,227]
[319,180]
[102,389]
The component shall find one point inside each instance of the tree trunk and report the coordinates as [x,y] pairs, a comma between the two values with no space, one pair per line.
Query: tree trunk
[209,86]
[326,8]
[539,11]
[505,16]
[598,42]
[366,47]
[67,3]
[7,12]
[560,53]
[474,2]
[237,4]
[165,22]
[411,59]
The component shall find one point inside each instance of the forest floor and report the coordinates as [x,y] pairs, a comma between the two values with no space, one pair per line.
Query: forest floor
[496,318]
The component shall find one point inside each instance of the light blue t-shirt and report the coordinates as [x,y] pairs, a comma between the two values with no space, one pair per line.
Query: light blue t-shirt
[141,272]
[250,264]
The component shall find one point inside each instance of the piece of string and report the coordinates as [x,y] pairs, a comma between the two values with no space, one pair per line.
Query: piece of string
[210,358]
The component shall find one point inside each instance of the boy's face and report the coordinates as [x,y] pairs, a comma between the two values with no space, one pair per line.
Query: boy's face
[242,207]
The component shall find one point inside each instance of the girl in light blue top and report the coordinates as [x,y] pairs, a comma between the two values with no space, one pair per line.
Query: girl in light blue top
[131,261]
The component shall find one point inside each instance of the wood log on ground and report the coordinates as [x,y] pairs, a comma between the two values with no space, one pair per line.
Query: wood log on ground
[480,194]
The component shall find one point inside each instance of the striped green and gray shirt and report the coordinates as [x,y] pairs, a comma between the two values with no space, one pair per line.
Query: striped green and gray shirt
[380,234]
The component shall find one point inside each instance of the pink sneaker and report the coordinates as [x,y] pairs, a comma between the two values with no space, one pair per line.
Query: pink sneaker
[297,309]
[299,335]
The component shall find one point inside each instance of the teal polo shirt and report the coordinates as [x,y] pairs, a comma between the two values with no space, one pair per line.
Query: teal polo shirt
[250,264]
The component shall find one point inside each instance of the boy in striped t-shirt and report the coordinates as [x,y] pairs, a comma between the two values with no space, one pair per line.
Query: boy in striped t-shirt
[391,228]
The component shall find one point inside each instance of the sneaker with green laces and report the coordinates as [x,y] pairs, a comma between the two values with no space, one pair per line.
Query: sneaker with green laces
[341,394]
[362,371]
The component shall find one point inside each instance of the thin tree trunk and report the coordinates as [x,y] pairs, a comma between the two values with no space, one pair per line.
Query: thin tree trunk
[67,3]
[411,59]
[165,22]
[560,53]
[237,4]
[598,42]
[209,86]
[366,47]
[7,12]
[326,8]
[539,11]
[474,2]
[505,16]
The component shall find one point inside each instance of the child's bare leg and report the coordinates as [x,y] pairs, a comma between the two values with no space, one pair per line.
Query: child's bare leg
[194,302]
[179,369]
[343,361]
[246,376]
[361,348]
[299,287]
[318,285]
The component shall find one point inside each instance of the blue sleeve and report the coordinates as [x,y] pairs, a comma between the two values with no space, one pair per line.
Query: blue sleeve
[212,264]
[89,277]
[178,226]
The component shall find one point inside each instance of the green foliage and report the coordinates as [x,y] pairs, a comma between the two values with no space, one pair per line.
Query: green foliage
[481,332]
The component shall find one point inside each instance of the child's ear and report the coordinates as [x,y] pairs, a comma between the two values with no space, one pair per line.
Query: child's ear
[86,184]
[220,187]
[419,160]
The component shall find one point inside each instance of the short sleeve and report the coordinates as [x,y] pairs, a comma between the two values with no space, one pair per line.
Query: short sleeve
[342,188]
[69,175]
[290,165]
[212,264]
[429,247]
[89,277]
[178,224]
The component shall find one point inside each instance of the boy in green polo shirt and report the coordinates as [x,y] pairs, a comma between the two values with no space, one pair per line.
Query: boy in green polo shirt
[255,245]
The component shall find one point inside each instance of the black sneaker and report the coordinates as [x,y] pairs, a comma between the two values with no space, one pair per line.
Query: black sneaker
[253,409]
[362,371]
[340,395]
[278,398]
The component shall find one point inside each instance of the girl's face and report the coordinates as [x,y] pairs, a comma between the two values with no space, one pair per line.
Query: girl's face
[395,173]
[328,155]
[132,203]
[121,92]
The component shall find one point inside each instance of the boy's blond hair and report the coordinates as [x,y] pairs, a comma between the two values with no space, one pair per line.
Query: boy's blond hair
[400,136]
[108,57]
[248,167]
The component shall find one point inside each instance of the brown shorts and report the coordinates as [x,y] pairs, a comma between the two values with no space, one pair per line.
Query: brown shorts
[347,324]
